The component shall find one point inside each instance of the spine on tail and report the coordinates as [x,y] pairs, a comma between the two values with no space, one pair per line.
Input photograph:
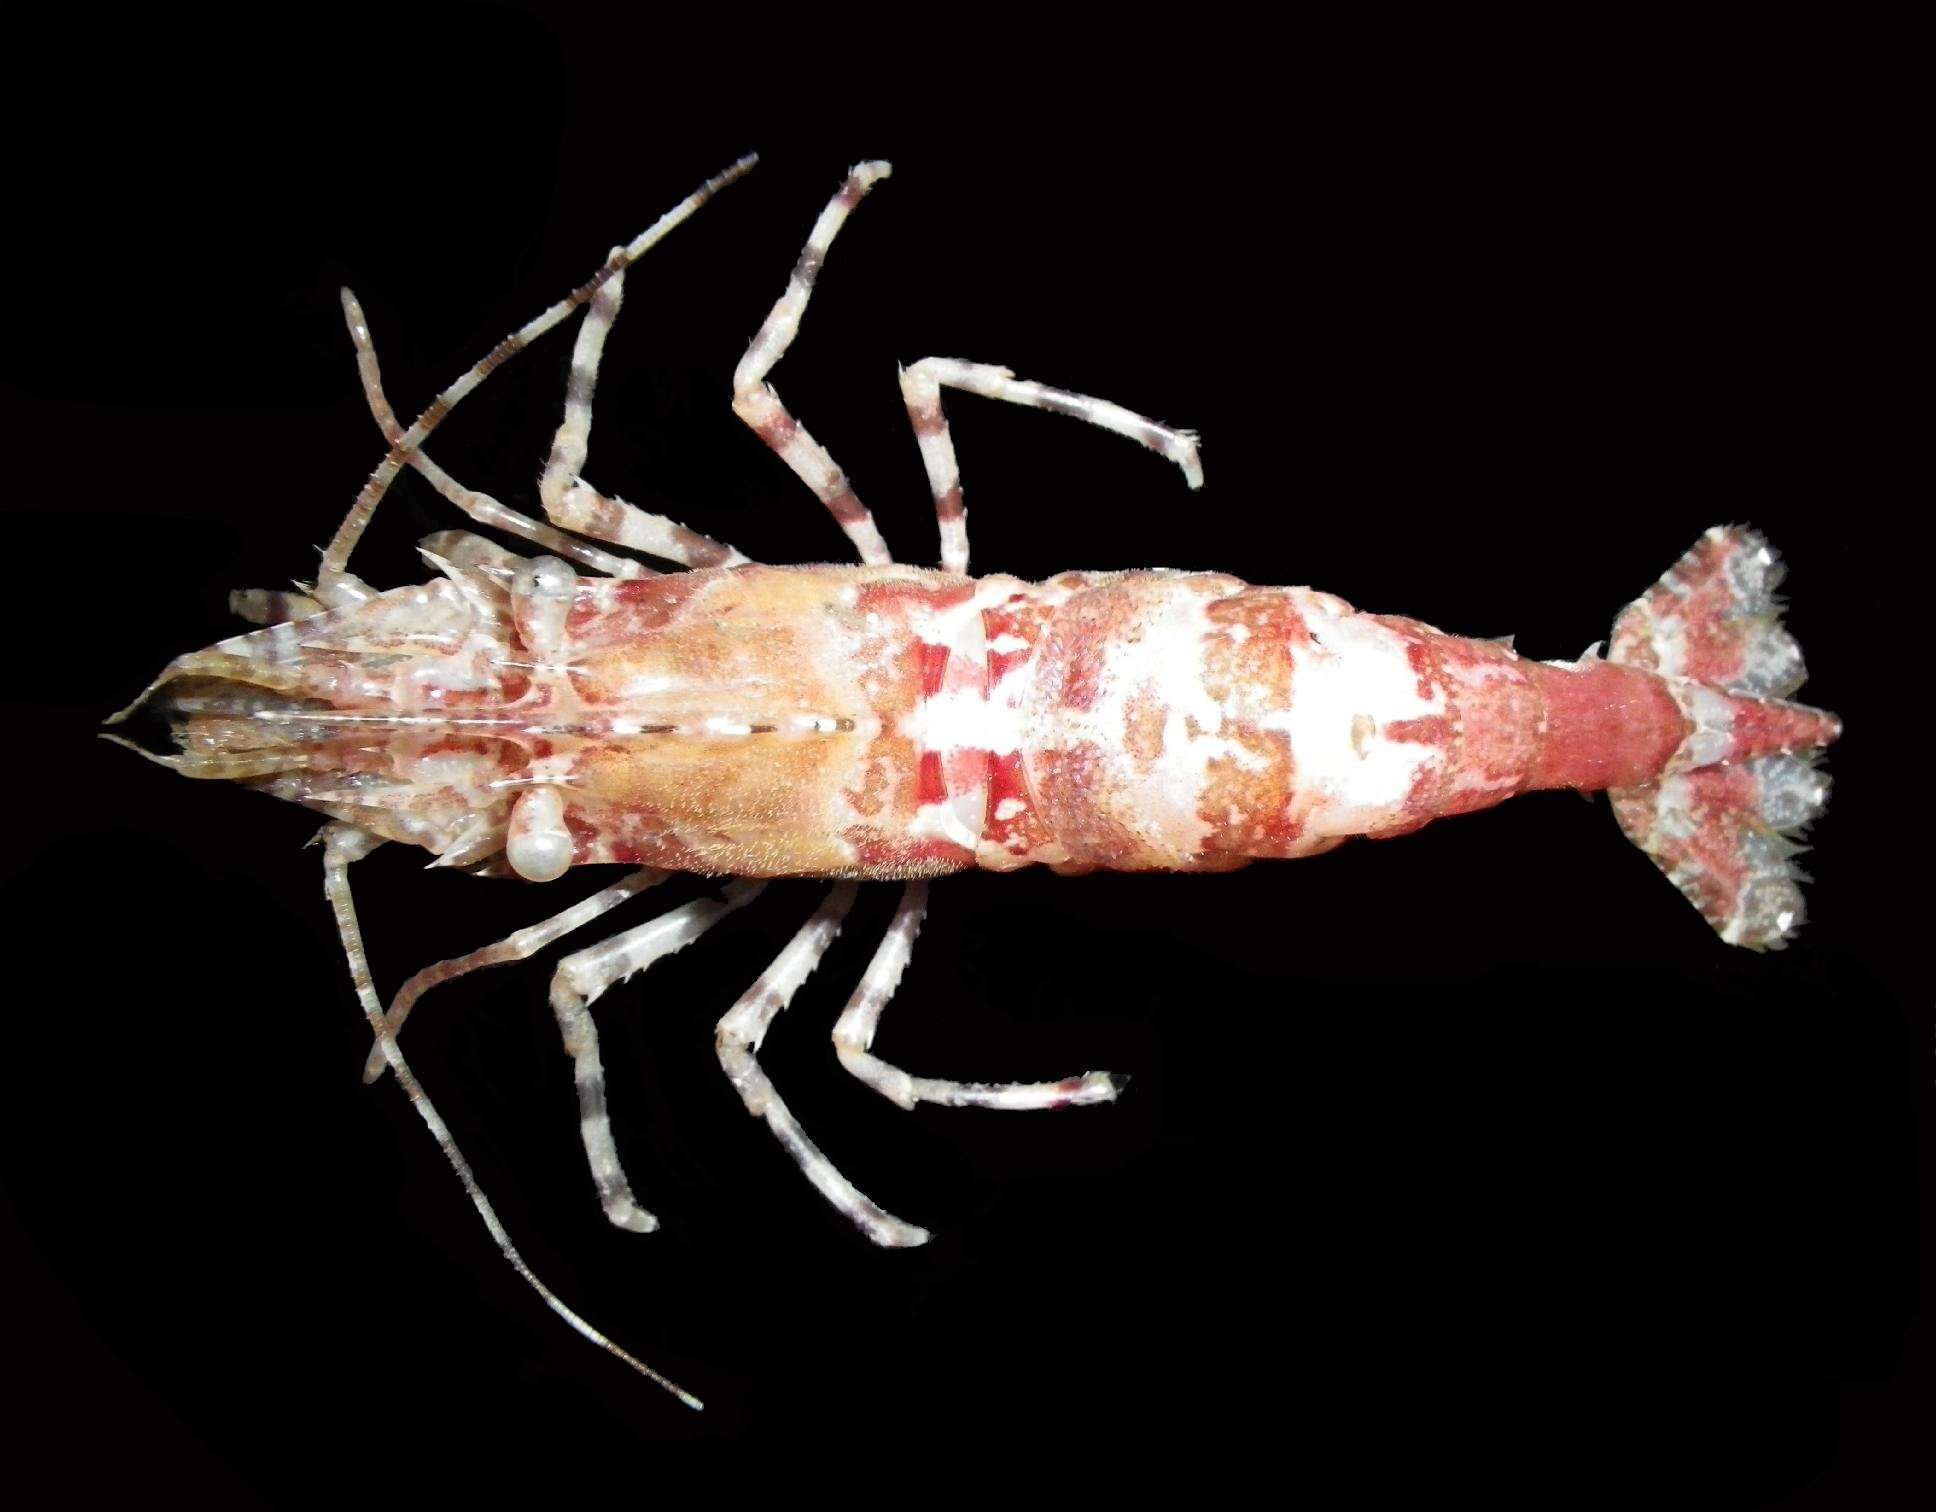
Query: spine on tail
[1722,820]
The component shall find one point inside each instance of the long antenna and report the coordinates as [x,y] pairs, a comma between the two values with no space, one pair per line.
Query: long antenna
[336,556]
[343,844]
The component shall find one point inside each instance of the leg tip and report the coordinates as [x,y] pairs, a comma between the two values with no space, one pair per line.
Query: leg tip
[630,1216]
[1090,1088]
[882,1227]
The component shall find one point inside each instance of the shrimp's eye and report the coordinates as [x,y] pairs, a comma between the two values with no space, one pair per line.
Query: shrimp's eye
[539,846]
[544,577]
[542,590]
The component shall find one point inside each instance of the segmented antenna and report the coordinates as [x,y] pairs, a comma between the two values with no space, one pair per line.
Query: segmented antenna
[337,555]
[343,844]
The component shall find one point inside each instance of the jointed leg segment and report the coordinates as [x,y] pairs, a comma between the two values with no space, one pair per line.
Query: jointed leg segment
[336,555]
[921,387]
[854,1038]
[755,401]
[741,1031]
[578,983]
[738,1039]
[271,606]
[517,946]
[572,502]
[481,507]
[342,845]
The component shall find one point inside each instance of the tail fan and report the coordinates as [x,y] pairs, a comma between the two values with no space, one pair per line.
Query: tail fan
[1723,819]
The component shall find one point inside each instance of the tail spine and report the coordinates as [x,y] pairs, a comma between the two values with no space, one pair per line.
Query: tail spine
[1723,820]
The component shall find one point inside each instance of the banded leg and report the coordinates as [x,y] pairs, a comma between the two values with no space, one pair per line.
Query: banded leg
[271,606]
[517,946]
[473,553]
[572,502]
[470,561]
[755,402]
[578,983]
[481,507]
[921,387]
[336,555]
[343,844]
[854,1039]
[738,1040]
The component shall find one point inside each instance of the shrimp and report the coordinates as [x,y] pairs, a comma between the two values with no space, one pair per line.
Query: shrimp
[521,715]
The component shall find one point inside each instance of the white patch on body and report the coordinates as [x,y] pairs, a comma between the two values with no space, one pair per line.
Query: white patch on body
[1164,661]
[1352,671]
[943,821]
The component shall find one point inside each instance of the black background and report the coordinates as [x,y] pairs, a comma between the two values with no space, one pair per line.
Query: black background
[1474,1159]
